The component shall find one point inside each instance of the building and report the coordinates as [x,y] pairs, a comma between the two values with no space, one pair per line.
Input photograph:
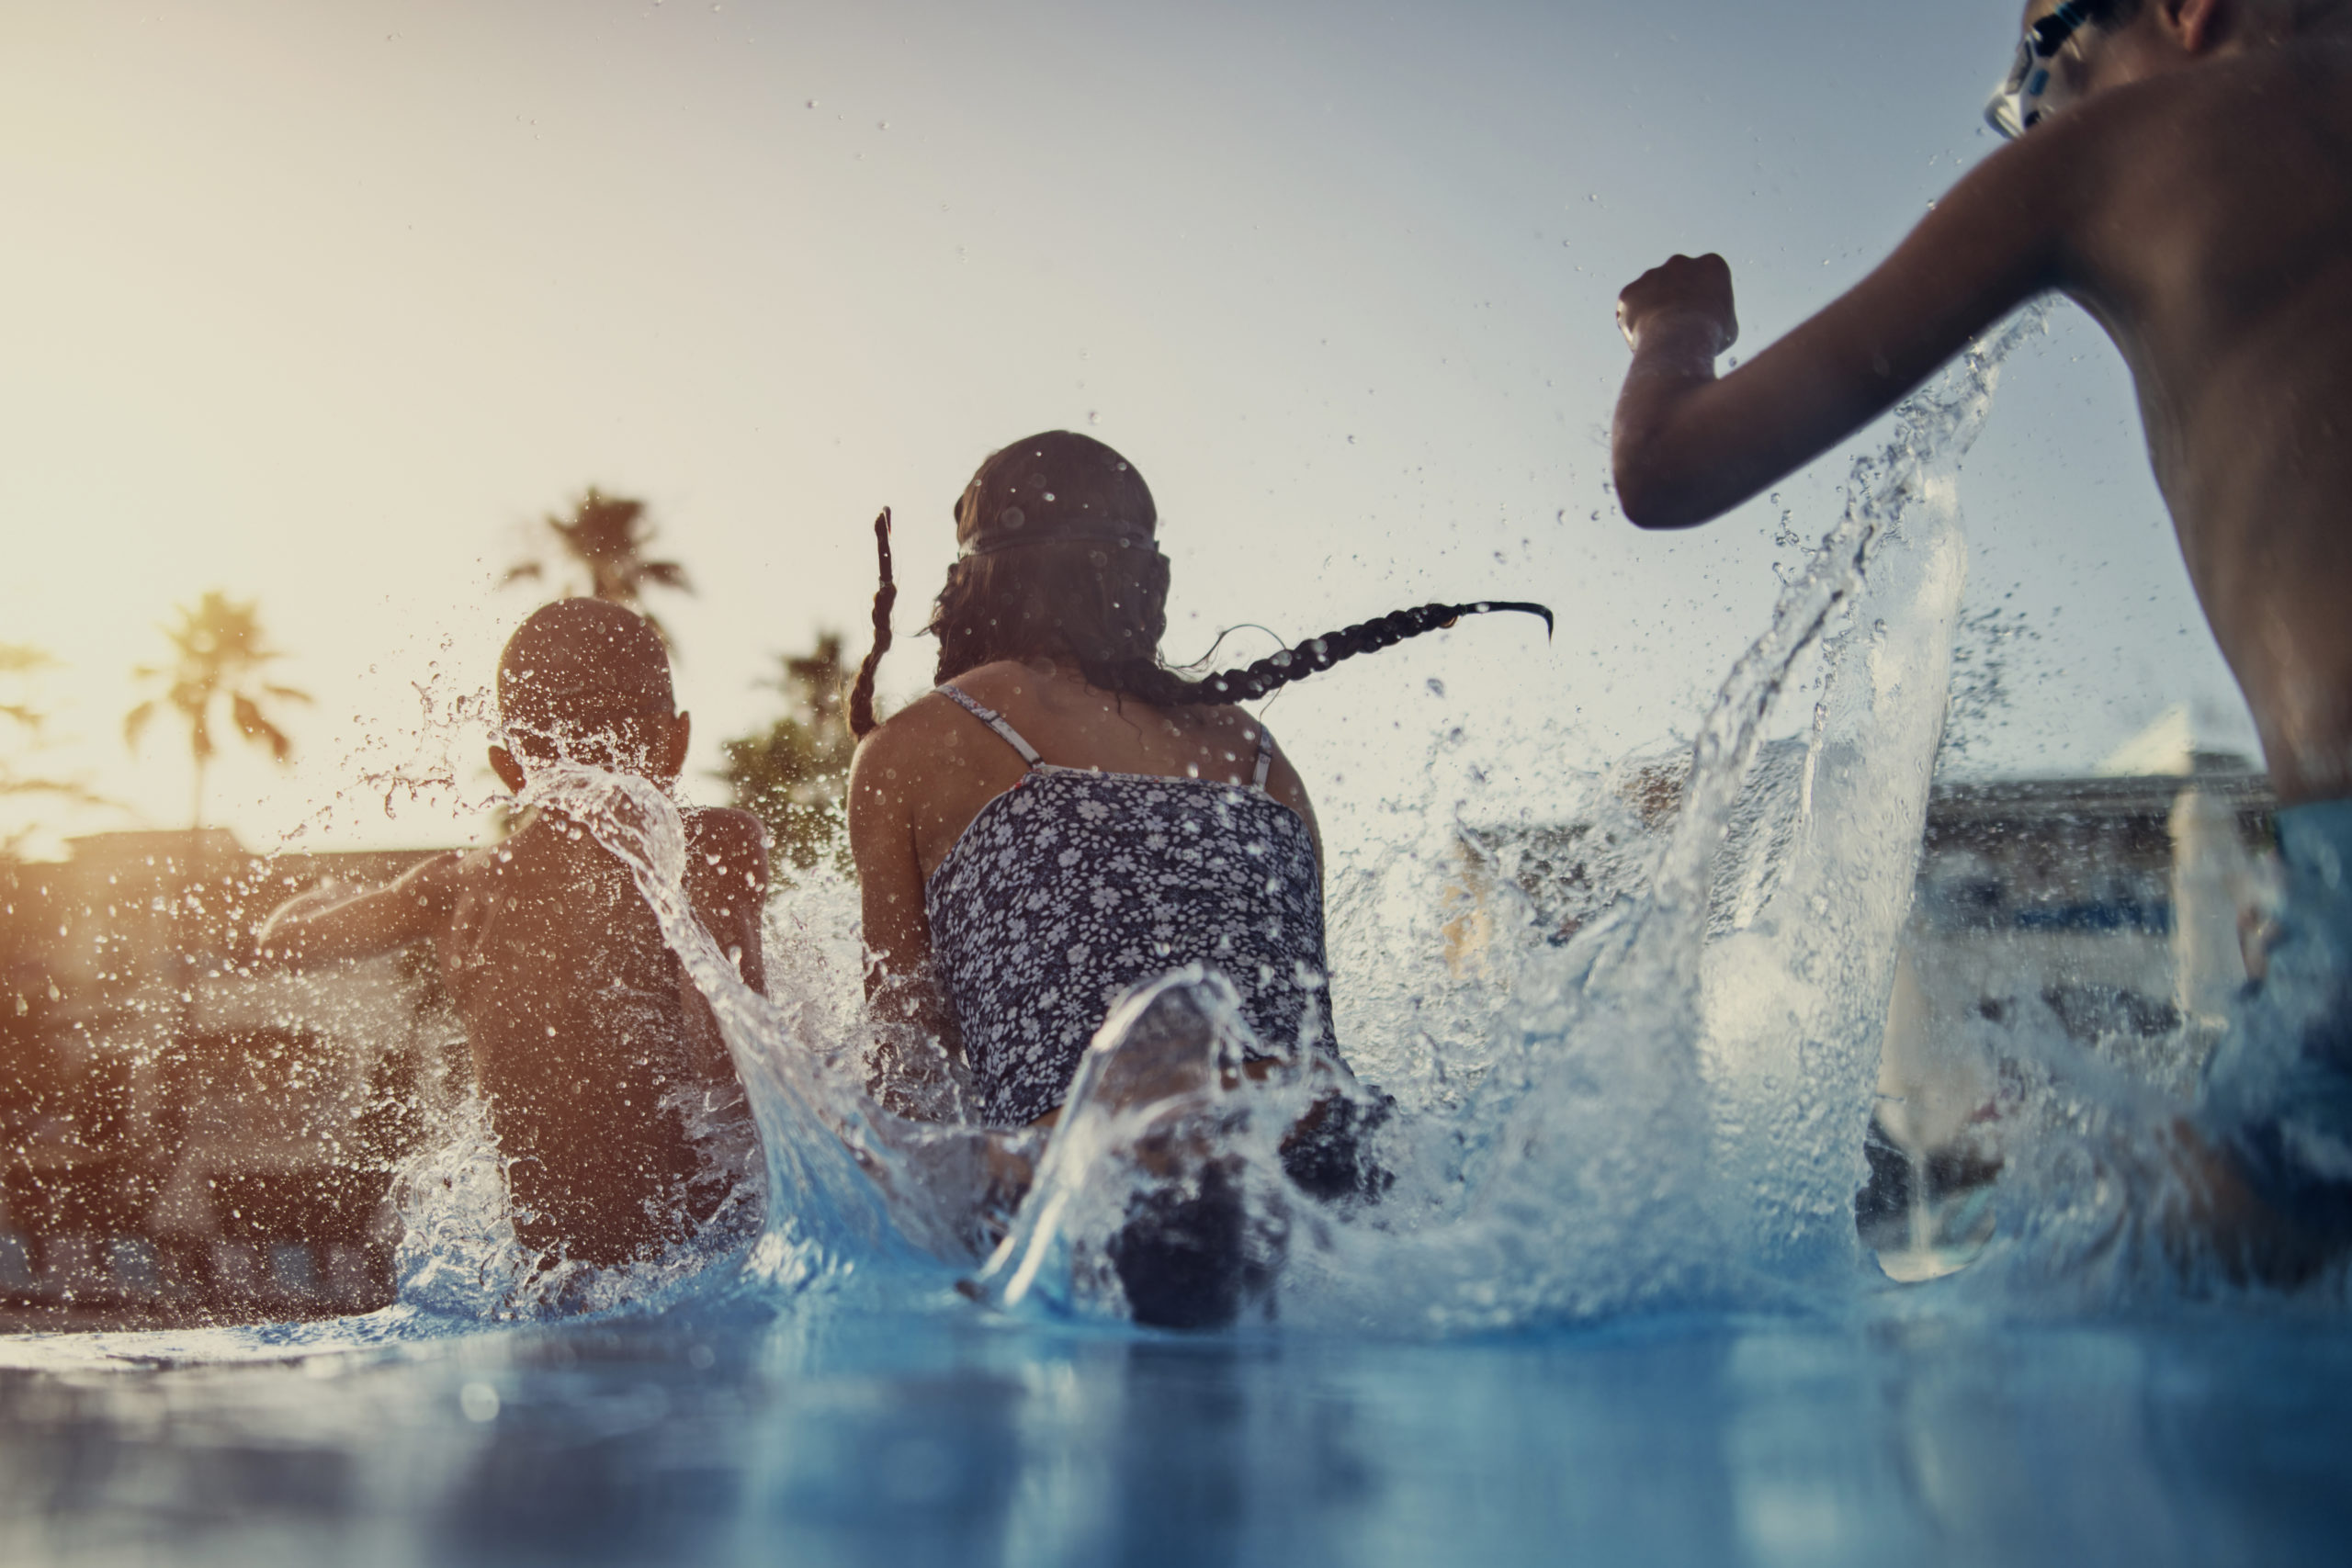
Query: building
[183,1135]
[2113,910]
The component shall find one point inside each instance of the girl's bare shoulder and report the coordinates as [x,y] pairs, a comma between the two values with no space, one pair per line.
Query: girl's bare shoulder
[909,738]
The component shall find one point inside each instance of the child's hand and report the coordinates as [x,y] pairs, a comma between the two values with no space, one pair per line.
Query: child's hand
[1698,288]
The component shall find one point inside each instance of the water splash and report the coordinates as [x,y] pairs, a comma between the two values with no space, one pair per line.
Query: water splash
[1670,1118]
[1655,1115]
[1637,1058]
[1633,1033]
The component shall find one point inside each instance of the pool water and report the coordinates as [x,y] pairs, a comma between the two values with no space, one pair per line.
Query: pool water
[1906,1429]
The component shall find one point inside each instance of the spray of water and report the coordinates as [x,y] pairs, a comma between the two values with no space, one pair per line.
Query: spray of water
[1666,1108]
[1669,1108]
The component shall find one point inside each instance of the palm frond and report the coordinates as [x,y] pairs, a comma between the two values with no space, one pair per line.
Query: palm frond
[255,727]
[73,790]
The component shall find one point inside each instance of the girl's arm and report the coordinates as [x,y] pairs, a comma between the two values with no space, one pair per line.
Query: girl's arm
[906,1069]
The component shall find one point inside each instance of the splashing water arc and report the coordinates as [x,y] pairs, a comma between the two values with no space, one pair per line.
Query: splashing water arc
[1669,1109]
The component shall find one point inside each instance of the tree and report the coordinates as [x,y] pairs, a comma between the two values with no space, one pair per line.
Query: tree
[27,724]
[792,774]
[219,653]
[602,543]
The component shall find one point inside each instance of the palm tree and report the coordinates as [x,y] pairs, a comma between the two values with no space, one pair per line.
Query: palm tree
[791,774]
[606,537]
[219,653]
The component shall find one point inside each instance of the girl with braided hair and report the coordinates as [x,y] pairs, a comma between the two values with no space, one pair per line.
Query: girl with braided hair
[1064,816]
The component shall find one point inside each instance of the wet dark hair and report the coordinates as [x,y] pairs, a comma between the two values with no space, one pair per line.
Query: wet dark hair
[1068,575]
[584,679]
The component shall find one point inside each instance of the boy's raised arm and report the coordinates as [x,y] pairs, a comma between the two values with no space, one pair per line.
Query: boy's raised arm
[334,922]
[1689,447]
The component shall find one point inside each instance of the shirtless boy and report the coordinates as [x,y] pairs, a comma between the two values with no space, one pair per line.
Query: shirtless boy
[2182,169]
[608,1086]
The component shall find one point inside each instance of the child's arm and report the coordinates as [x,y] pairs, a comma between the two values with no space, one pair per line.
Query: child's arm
[332,923]
[899,984]
[1689,447]
[726,881]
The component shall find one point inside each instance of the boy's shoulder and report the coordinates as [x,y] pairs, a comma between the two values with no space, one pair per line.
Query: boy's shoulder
[2226,100]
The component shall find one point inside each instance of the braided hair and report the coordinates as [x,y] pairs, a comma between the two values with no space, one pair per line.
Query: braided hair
[1154,682]
[988,610]
[1060,560]
[885,598]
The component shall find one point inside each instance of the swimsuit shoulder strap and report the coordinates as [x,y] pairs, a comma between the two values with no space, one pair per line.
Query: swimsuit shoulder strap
[993,720]
[1266,757]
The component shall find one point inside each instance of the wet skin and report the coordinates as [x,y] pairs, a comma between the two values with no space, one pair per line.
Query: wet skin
[584,1030]
[918,780]
[2193,192]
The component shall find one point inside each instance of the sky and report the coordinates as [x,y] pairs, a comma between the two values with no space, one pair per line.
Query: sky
[325,306]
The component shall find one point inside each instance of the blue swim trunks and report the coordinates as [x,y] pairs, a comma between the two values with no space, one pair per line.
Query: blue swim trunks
[2279,1091]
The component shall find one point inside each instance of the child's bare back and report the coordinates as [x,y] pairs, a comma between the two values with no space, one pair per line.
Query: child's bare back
[606,1077]
[2212,236]
[608,1086]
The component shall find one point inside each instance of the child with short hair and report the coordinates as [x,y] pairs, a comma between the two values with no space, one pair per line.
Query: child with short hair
[2183,170]
[607,1081]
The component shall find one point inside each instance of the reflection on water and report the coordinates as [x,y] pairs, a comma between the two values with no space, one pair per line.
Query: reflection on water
[1935,1438]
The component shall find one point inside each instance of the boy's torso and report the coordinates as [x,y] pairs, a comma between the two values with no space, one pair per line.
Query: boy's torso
[2211,234]
[603,1069]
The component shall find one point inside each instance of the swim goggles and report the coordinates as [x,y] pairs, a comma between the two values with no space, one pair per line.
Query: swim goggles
[2016,105]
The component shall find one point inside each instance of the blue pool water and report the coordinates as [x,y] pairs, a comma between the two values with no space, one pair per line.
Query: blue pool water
[1613,1306]
[1906,1430]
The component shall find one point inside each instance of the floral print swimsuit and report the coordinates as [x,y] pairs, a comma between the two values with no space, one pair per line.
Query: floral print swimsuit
[1076,885]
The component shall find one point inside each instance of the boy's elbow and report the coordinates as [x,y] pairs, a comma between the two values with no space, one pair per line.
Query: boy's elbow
[1644,509]
[1651,489]
[1655,503]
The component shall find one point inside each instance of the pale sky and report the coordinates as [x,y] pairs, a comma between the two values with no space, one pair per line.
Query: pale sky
[320,305]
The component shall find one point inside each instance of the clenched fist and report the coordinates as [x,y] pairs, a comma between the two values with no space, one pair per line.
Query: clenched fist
[1698,287]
